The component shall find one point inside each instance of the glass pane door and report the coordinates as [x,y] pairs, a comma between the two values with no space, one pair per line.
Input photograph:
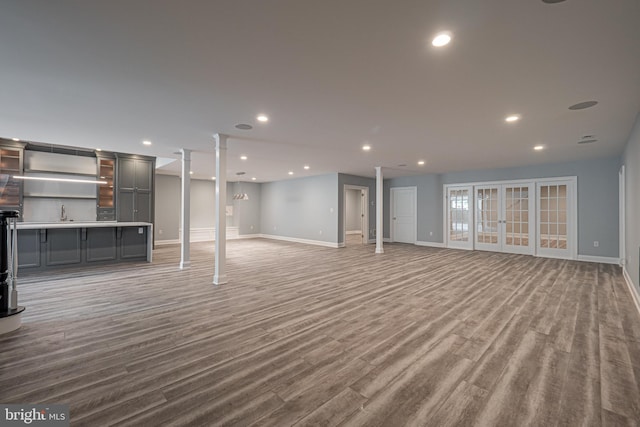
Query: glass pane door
[516,219]
[488,223]
[553,216]
[459,218]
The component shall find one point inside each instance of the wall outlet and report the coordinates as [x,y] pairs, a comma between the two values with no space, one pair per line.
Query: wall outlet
[320,232]
[140,230]
[160,231]
[252,227]
[596,244]
[431,233]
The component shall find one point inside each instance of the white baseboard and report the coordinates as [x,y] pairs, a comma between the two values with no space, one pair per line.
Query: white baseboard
[167,242]
[245,236]
[600,259]
[430,244]
[386,240]
[634,292]
[296,240]
[354,232]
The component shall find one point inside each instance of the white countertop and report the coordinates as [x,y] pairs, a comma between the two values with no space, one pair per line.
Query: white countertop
[79,224]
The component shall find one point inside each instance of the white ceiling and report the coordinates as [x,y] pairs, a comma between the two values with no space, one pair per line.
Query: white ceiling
[330,74]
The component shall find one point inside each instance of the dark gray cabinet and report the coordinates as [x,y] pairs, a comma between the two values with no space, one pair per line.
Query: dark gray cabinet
[11,164]
[135,189]
[44,248]
[106,194]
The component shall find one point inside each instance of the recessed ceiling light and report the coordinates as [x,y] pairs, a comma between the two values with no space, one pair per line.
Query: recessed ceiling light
[213,178]
[244,126]
[421,162]
[441,39]
[583,105]
[512,118]
[253,178]
[538,147]
[290,172]
[262,118]
[243,157]
[16,139]
[98,149]
[146,142]
[366,147]
[306,167]
[552,1]
[190,172]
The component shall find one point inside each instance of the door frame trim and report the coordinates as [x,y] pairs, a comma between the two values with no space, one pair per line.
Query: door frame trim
[414,191]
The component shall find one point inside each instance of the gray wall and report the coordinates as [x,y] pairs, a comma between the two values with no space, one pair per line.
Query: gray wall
[246,213]
[597,199]
[305,208]
[344,179]
[353,210]
[167,197]
[631,160]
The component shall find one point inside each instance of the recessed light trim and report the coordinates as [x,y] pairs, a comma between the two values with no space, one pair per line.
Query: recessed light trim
[15,139]
[421,162]
[213,178]
[146,142]
[583,105]
[441,39]
[366,147]
[538,147]
[253,178]
[243,157]
[263,118]
[290,172]
[98,149]
[306,167]
[512,118]
[244,126]
[190,172]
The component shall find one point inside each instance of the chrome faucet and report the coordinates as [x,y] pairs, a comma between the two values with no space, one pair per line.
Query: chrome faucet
[63,214]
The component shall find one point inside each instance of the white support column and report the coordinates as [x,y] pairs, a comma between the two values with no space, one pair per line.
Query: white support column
[219,275]
[185,223]
[379,203]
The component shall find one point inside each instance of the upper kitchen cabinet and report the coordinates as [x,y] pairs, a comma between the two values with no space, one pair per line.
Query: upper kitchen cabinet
[11,164]
[106,197]
[135,178]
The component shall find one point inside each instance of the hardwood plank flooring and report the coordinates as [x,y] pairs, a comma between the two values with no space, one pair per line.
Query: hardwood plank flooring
[311,336]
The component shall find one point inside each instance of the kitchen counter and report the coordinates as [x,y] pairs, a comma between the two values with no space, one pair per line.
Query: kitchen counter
[45,245]
[80,224]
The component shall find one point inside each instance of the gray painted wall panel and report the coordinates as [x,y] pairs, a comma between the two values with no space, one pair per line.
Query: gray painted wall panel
[305,208]
[597,199]
[631,160]
[246,213]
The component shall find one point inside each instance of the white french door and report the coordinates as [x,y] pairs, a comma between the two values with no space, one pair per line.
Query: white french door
[459,201]
[503,217]
[557,222]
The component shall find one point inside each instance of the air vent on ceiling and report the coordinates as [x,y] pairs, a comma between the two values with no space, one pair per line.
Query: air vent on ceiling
[587,139]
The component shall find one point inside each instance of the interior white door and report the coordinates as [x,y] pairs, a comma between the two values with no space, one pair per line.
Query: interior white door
[403,214]
[503,218]
[459,201]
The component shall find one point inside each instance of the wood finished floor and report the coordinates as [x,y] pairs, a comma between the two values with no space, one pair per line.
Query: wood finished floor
[309,336]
